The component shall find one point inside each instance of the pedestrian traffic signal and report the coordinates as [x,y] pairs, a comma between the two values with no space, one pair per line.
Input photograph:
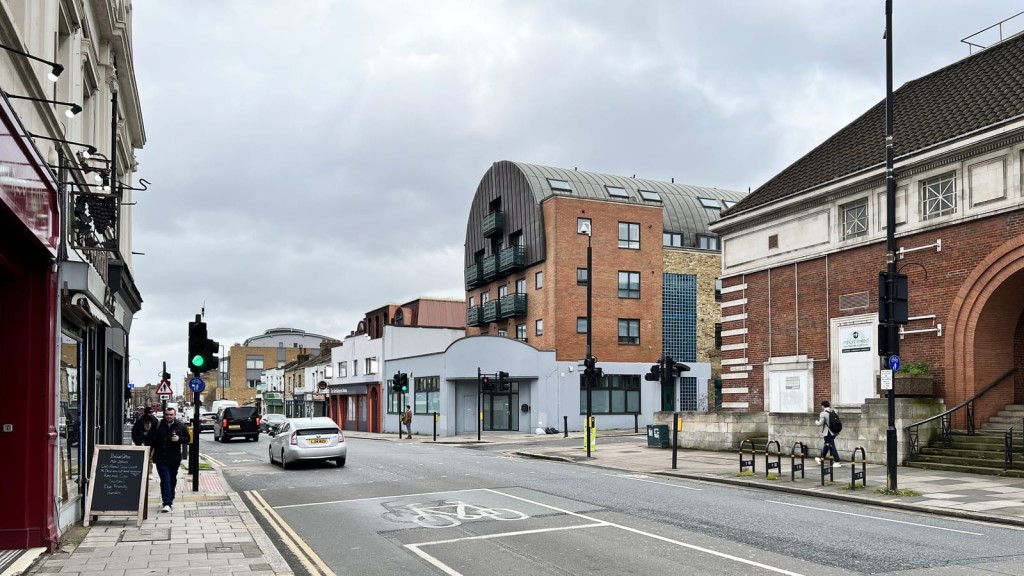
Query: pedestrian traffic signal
[486,385]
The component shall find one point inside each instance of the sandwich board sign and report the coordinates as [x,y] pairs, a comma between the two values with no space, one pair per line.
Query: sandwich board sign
[120,475]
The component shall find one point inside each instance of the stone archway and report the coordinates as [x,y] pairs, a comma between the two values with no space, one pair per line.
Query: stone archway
[985,331]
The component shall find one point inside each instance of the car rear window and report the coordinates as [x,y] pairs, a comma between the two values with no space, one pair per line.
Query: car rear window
[315,431]
[241,413]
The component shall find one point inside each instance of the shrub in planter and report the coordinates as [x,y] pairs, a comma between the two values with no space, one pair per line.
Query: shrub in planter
[913,379]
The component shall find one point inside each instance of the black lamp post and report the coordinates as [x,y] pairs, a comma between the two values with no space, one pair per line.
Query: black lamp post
[584,227]
[892,337]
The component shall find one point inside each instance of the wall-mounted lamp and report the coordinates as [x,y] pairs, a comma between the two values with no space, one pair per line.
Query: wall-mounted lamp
[55,69]
[89,151]
[71,112]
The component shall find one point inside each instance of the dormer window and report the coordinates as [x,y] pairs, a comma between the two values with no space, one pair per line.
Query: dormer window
[617,191]
[559,185]
[710,203]
[650,195]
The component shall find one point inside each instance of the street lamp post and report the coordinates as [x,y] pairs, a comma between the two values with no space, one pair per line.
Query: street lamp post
[584,227]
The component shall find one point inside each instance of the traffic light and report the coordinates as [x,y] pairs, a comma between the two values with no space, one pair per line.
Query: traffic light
[197,345]
[589,363]
[501,379]
[210,359]
[486,385]
[400,383]
[655,374]
[405,381]
[900,306]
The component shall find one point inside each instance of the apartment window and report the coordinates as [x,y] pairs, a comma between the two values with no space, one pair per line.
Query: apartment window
[538,280]
[612,394]
[485,297]
[426,395]
[938,196]
[472,301]
[559,185]
[673,239]
[502,291]
[650,195]
[581,324]
[502,332]
[581,276]
[254,362]
[629,284]
[521,332]
[342,369]
[718,289]
[629,331]
[707,242]
[371,366]
[629,235]
[521,286]
[538,328]
[853,218]
[710,203]
[251,383]
[617,191]
[355,367]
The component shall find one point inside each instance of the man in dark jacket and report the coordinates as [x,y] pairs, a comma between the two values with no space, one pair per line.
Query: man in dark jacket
[143,426]
[166,440]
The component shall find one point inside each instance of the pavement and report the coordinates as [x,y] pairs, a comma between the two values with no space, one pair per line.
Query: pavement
[213,531]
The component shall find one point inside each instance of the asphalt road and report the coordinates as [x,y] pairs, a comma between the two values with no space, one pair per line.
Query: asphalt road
[420,508]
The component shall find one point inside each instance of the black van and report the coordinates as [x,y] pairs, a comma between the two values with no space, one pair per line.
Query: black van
[236,421]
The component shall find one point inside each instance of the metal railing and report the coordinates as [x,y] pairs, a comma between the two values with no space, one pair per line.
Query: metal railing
[946,418]
[1008,446]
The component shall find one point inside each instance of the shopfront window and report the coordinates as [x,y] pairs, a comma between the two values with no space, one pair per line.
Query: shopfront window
[427,395]
[68,421]
[613,394]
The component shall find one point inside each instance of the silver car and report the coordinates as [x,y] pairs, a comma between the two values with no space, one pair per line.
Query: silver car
[308,439]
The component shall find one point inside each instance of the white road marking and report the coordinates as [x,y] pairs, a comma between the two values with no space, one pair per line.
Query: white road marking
[371,498]
[642,478]
[874,518]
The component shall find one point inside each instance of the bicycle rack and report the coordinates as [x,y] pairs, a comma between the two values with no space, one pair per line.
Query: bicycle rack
[862,475]
[777,465]
[826,468]
[793,466]
[753,457]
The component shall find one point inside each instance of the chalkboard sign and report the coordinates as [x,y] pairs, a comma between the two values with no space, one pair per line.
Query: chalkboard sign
[119,482]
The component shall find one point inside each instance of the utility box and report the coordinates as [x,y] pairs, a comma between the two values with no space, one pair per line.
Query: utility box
[657,436]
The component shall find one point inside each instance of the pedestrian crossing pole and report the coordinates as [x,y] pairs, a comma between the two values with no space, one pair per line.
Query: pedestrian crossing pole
[891,328]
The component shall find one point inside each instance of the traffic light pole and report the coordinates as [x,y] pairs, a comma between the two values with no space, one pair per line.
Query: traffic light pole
[193,455]
[479,404]
[891,327]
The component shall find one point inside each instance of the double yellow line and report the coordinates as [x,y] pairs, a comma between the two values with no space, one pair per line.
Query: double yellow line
[309,559]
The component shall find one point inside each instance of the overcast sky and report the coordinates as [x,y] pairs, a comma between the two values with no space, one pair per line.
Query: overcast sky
[312,160]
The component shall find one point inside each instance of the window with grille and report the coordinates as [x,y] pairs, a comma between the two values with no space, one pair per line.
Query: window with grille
[853,218]
[938,196]
[629,284]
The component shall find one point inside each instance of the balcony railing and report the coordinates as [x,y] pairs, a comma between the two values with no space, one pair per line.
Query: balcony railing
[490,267]
[473,275]
[474,314]
[513,305]
[491,311]
[493,224]
[512,258]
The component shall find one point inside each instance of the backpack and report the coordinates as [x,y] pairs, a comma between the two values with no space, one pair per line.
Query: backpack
[835,425]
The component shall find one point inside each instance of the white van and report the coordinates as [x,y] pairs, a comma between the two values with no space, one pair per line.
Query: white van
[218,404]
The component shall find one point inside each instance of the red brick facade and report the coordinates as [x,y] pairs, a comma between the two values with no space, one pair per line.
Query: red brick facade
[974,287]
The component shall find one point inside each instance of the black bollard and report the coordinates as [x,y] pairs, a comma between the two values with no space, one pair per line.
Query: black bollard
[435,426]
[636,423]
[565,425]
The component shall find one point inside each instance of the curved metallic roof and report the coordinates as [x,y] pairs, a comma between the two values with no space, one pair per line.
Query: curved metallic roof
[682,208]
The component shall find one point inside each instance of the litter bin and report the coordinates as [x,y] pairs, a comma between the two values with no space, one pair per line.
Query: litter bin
[657,436]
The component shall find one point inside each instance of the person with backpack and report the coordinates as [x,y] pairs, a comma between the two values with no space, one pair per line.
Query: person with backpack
[830,426]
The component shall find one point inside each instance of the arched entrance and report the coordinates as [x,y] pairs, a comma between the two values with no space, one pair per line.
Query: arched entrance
[986,333]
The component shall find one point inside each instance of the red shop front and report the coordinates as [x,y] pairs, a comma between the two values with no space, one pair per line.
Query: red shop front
[28,333]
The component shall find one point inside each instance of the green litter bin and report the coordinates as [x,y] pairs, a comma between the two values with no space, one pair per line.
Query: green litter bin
[657,436]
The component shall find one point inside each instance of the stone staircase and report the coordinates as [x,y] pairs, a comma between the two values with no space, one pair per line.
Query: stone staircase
[981,453]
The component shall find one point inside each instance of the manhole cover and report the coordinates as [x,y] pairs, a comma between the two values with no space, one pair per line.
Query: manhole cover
[146,534]
[210,512]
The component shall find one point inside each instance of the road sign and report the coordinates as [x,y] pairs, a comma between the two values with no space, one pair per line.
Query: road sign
[886,380]
[131,386]
[165,388]
[197,385]
[165,396]
[894,362]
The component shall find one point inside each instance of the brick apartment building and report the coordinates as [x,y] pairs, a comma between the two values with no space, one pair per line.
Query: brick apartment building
[244,364]
[802,253]
[654,266]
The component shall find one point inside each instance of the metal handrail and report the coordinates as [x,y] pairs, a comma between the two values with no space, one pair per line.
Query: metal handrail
[946,424]
[1008,446]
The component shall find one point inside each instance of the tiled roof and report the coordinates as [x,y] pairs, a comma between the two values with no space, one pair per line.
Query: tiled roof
[977,92]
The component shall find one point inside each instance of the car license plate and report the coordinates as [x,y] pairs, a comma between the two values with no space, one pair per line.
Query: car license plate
[317,441]
[234,426]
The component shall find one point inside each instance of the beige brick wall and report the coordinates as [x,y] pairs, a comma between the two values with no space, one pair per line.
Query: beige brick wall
[238,390]
[706,266]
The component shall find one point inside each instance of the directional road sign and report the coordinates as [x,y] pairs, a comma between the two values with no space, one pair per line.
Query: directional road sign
[197,385]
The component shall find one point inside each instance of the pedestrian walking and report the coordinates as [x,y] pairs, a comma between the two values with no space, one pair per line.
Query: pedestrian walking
[166,440]
[407,420]
[142,427]
[830,426]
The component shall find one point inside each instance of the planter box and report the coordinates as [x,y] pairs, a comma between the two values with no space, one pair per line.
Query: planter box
[909,386]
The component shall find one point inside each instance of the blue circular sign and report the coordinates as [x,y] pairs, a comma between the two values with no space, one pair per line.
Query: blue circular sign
[197,385]
[894,362]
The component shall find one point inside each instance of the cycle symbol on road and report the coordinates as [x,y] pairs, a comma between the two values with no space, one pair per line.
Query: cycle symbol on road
[446,514]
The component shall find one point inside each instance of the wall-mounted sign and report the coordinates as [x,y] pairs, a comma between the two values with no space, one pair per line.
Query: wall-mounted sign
[856,340]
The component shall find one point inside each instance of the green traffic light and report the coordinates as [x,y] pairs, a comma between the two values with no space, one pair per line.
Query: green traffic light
[198,361]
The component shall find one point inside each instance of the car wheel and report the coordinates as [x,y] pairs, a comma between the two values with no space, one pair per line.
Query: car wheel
[284,460]
[270,453]
[215,437]
[339,462]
